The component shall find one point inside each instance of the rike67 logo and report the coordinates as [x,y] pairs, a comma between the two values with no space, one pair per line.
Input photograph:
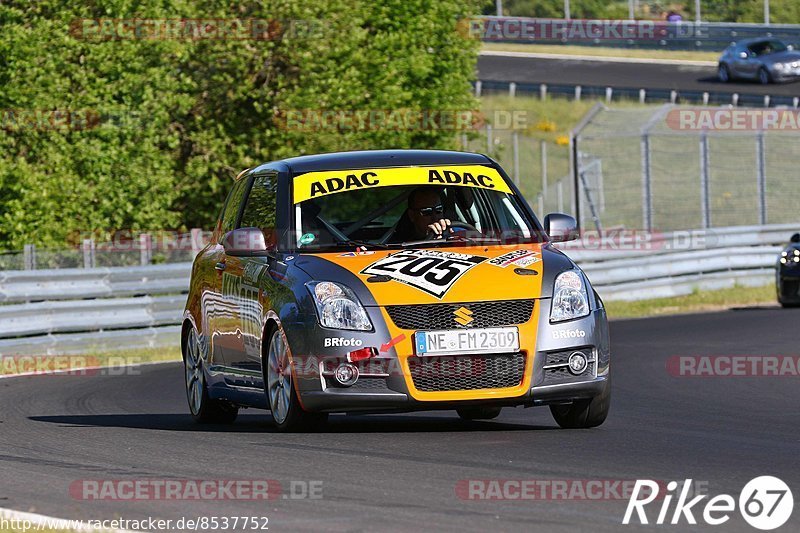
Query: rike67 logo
[765,503]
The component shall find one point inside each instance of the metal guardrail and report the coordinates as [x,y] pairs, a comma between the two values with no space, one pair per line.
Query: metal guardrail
[82,310]
[615,94]
[69,283]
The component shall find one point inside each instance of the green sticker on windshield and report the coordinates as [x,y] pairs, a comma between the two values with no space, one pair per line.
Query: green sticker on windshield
[307,238]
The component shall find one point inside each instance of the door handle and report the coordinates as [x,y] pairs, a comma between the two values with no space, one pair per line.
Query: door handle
[220,266]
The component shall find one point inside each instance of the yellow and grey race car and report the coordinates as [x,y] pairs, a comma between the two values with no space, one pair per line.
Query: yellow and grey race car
[390,281]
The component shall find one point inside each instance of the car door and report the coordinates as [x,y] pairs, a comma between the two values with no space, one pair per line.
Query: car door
[224,320]
[749,67]
[259,212]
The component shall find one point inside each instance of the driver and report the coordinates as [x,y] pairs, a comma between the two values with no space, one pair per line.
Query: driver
[424,214]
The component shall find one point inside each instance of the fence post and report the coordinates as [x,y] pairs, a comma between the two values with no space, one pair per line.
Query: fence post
[543,91]
[197,241]
[88,253]
[560,195]
[145,249]
[705,200]
[642,96]
[489,139]
[543,149]
[29,254]
[512,89]
[578,90]
[609,94]
[761,173]
[478,87]
[540,200]
[515,148]
[647,198]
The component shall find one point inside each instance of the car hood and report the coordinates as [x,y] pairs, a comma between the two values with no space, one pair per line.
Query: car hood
[783,57]
[438,274]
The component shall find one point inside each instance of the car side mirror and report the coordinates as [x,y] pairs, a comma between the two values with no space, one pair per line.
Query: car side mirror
[560,227]
[796,237]
[246,242]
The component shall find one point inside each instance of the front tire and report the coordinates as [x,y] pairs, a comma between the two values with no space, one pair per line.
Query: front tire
[204,409]
[584,413]
[284,404]
[763,76]
[723,73]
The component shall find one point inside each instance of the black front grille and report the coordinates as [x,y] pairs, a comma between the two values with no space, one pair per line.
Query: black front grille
[441,316]
[467,372]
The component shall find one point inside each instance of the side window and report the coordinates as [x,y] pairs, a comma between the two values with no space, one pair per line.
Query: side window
[259,212]
[233,204]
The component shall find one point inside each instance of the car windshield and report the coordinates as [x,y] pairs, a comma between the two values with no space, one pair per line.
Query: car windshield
[393,216]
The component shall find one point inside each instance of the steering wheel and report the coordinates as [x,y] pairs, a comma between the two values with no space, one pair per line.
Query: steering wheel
[454,224]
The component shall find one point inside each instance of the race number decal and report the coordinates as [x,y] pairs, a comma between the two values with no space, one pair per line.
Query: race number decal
[432,271]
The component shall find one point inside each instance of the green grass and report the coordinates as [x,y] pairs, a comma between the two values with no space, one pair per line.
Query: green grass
[41,363]
[601,51]
[549,120]
[694,303]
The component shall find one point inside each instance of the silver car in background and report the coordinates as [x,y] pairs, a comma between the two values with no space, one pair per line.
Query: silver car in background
[765,60]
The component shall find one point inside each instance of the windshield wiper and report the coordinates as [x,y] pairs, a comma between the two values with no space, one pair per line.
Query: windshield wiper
[365,244]
[453,239]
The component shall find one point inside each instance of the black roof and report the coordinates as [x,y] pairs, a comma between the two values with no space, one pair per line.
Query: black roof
[378,159]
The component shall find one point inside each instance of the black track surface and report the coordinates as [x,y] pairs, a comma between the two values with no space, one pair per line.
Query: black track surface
[620,75]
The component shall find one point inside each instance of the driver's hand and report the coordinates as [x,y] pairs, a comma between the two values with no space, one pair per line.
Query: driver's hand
[440,227]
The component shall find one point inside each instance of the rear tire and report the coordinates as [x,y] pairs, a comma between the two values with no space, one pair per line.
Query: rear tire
[479,413]
[279,386]
[204,409]
[584,413]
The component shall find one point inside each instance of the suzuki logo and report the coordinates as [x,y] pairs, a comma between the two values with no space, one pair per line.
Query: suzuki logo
[463,316]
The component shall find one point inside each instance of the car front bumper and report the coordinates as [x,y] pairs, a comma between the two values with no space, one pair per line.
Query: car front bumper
[385,383]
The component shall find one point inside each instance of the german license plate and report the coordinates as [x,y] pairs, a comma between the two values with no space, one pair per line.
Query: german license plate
[465,341]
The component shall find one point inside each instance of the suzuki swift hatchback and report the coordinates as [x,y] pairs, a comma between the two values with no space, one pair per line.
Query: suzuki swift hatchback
[390,281]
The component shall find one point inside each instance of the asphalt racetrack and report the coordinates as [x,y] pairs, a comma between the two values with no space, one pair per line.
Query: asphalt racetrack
[401,472]
[620,75]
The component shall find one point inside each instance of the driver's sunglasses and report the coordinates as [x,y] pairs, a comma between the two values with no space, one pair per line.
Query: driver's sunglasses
[430,211]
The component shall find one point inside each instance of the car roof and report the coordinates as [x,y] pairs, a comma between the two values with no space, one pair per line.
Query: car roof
[753,40]
[378,159]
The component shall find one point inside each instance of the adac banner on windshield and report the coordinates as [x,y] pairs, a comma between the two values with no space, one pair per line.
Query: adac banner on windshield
[317,184]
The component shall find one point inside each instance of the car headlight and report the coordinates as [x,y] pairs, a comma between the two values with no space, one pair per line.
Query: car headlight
[338,306]
[779,66]
[570,300]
